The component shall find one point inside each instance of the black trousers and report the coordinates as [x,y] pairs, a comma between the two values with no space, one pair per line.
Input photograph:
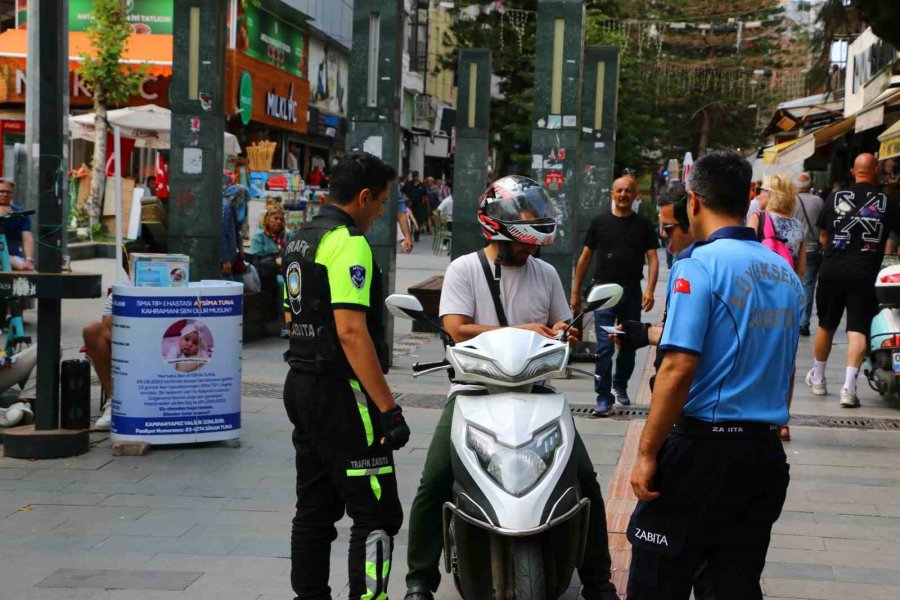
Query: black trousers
[718,501]
[340,466]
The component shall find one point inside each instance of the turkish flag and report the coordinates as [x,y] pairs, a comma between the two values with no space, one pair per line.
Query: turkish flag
[682,286]
[162,177]
[127,146]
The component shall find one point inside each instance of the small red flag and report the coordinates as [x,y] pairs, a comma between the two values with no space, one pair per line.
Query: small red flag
[683,286]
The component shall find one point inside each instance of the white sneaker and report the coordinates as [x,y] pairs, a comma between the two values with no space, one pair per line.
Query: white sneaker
[104,423]
[25,409]
[10,417]
[848,400]
[818,389]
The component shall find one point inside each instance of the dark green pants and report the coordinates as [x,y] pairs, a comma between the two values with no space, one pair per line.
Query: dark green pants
[436,487]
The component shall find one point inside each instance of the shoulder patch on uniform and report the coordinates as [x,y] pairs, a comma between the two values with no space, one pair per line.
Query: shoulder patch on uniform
[294,286]
[358,276]
[682,286]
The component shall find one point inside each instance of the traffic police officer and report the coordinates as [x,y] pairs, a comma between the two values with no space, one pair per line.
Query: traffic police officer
[345,420]
[711,474]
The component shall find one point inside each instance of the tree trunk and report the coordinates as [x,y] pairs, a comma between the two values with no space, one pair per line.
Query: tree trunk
[704,134]
[98,175]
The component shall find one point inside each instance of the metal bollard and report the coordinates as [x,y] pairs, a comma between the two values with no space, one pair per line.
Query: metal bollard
[75,396]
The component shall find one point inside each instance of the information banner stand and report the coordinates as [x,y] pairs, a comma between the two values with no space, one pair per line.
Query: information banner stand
[176,362]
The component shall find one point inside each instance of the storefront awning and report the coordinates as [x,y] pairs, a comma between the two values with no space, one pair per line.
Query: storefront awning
[151,50]
[890,142]
[797,150]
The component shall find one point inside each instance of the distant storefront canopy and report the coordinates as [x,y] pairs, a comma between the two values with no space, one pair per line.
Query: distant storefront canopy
[801,148]
[890,142]
[151,50]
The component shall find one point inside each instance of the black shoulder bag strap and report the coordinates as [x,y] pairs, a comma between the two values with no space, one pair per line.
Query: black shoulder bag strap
[805,214]
[494,286]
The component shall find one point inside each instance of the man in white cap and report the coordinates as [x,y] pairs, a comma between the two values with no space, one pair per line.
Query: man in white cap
[807,210]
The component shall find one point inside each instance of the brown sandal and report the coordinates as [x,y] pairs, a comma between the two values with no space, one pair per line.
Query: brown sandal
[784,432]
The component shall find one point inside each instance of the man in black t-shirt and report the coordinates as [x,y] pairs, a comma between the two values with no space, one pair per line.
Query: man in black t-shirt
[617,241]
[854,225]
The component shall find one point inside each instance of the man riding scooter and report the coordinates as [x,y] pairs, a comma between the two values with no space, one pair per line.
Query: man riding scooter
[516,217]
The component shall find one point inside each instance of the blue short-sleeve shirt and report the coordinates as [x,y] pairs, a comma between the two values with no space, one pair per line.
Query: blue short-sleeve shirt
[736,305]
[13,229]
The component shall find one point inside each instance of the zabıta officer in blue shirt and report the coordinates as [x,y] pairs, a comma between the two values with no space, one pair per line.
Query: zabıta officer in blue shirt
[711,474]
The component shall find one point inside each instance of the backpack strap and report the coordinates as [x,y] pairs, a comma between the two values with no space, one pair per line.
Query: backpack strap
[494,286]
[761,219]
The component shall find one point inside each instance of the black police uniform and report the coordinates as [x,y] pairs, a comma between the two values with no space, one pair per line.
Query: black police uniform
[340,463]
[721,473]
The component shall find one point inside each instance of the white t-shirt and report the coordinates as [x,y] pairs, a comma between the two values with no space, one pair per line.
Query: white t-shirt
[446,208]
[532,293]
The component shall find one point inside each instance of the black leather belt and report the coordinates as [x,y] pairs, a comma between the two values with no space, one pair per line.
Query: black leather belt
[724,429]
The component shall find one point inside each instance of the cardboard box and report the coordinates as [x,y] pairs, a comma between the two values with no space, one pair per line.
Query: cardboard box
[159,270]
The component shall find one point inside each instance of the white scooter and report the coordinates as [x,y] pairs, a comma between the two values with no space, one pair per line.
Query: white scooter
[883,362]
[517,504]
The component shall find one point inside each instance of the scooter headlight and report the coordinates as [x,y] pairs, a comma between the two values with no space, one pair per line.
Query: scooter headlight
[516,470]
[542,365]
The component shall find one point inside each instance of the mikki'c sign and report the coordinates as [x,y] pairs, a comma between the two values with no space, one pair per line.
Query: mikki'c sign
[154,89]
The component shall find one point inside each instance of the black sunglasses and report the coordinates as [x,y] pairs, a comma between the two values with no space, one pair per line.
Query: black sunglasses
[669,227]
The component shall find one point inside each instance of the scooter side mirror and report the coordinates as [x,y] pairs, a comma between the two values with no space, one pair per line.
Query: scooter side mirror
[404,306]
[603,296]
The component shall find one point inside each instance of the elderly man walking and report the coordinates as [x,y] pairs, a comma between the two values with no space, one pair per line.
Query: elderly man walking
[807,211]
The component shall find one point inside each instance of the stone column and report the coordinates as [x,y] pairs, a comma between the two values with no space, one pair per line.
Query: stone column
[598,136]
[557,120]
[196,156]
[470,160]
[373,107]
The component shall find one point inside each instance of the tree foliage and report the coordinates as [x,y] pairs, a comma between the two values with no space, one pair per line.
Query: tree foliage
[102,74]
[679,90]
[108,82]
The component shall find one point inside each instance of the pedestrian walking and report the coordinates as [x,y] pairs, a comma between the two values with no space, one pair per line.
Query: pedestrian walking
[780,232]
[346,423]
[417,200]
[809,207]
[617,242]
[711,475]
[854,224]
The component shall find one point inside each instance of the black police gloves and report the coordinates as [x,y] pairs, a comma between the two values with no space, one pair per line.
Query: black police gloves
[395,429]
[634,335]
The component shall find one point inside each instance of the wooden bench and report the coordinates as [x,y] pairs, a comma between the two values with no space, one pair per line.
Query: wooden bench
[429,294]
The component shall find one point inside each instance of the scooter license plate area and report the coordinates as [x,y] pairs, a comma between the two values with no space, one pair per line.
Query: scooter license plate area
[896,360]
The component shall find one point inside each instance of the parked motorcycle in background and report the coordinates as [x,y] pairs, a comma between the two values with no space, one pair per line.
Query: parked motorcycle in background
[517,505]
[882,366]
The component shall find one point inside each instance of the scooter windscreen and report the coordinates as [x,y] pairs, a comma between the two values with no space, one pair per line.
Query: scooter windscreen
[508,357]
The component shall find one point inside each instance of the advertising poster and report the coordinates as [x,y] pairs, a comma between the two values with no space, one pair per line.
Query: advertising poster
[176,362]
[145,16]
[327,78]
[271,40]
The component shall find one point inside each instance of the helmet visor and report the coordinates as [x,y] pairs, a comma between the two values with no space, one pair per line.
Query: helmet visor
[520,200]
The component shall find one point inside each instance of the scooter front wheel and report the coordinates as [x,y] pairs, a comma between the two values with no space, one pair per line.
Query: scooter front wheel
[528,576]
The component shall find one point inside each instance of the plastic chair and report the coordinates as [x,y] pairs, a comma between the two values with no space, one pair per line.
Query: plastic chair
[441,235]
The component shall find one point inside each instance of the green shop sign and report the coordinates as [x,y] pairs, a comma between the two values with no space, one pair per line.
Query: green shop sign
[269,39]
[245,97]
[145,16]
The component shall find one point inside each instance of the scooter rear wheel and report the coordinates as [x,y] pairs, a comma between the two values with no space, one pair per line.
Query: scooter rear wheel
[528,576]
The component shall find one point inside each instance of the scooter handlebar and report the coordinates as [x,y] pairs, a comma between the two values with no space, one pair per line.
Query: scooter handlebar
[427,366]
